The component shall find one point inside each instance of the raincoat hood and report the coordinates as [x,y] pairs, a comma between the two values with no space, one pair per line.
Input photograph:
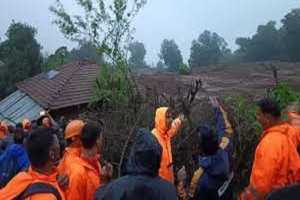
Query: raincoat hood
[145,155]
[281,128]
[160,120]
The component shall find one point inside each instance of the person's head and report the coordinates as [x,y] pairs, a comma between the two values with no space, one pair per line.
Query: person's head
[3,129]
[46,122]
[145,155]
[209,143]
[43,148]
[91,137]
[26,124]
[268,112]
[73,131]
[163,118]
[19,135]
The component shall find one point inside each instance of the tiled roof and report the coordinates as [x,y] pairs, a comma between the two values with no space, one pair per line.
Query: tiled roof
[70,86]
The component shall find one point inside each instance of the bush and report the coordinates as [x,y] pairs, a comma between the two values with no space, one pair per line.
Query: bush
[284,95]
[242,111]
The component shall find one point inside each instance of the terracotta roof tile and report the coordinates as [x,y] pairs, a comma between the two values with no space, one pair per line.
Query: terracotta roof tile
[71,86]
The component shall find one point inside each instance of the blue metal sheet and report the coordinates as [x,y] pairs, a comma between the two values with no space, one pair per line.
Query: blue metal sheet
[18,106]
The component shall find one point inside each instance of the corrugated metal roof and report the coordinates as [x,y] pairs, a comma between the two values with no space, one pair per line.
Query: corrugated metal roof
[17,106]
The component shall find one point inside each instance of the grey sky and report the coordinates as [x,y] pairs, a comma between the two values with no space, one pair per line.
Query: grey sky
[182,20]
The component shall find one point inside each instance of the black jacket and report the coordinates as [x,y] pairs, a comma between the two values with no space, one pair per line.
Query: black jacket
[141,181]
[289,193]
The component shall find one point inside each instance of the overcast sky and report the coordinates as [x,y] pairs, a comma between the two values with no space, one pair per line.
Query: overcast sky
[182,20]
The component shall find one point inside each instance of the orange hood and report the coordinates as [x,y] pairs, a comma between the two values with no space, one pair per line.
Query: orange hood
[281,128]
[160,120]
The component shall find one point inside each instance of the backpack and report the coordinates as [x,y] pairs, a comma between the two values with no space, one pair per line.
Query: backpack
[8,168]
[38,188]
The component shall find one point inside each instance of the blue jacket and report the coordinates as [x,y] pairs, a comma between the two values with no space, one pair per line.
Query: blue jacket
[19,153]
[217,167]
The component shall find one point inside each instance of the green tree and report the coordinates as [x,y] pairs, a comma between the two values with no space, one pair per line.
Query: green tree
[291,34]
[208,49]
[265,44]
[54,61]
[137,55]
[86,51]
[107,24]
[171,55]
[20,55]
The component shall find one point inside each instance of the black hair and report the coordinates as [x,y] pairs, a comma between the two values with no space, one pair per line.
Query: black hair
[90,133]
[209,142]
[38,145]
[269,106]
[19,125]
[18,135]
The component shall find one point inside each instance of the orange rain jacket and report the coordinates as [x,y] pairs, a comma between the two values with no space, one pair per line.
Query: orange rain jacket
[272,162]
[74,128]
[84,179]
[164,137]
[294,120]
[70,154]
[21,181]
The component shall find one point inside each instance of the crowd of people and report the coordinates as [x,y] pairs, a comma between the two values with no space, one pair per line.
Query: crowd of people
[42,160]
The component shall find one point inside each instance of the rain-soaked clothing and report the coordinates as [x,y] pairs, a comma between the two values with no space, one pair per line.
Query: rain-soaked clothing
[164,136]
[294,121]
[69,155]
[141,180]
[24,179]
[84,178]
[276,163]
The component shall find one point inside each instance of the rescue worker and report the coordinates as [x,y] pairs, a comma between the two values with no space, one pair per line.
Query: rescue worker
[141,180]
[40,181]
[270,170]
[72,135]
[85,171]
[165,129]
